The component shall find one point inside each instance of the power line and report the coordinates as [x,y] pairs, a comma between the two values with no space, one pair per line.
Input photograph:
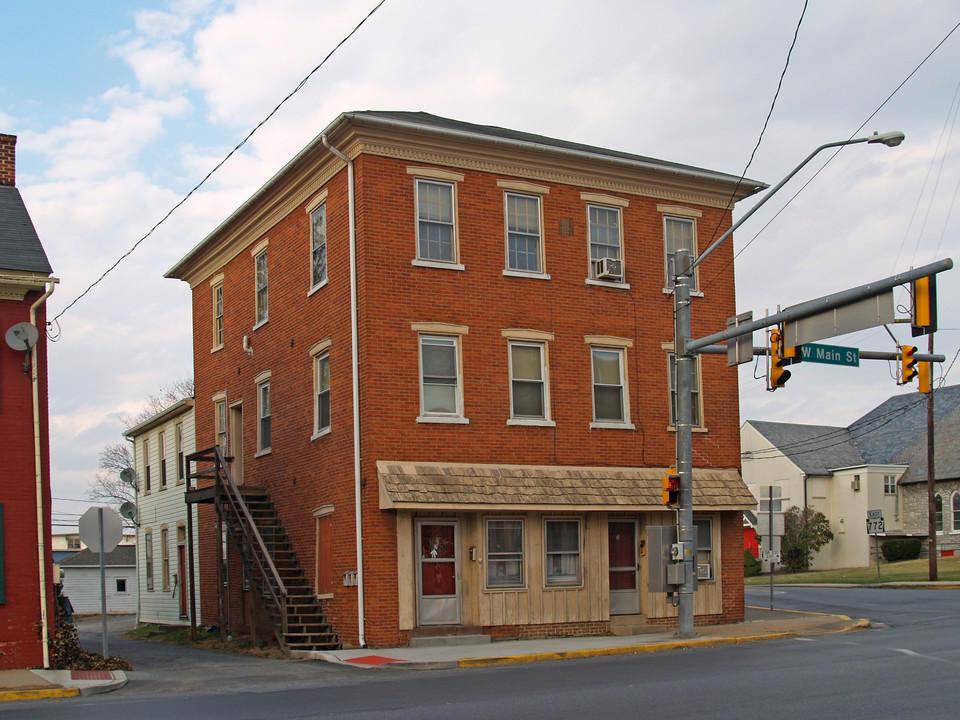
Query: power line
[218,165]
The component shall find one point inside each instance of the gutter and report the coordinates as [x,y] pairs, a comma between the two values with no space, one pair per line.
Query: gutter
[355,360]
[38,467]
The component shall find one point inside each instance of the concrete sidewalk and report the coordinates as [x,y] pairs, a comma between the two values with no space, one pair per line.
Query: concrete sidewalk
[760,624]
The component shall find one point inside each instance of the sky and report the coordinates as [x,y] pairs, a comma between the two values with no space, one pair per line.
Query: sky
[122,107]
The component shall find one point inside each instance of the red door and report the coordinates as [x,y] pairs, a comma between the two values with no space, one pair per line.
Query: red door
[624,595]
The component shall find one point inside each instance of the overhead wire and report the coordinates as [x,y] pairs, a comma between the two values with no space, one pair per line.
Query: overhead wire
[218,165]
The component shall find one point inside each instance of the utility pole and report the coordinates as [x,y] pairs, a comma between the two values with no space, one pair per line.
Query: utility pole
[931,481]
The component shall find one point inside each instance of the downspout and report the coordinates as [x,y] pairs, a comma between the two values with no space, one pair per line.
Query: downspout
[805,500]
[355,353]
[38,466]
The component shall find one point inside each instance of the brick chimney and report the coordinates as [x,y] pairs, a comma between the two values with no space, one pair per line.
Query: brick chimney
[8,159]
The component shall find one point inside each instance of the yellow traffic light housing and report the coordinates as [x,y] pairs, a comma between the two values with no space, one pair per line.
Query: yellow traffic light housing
[925,384]
[923,317]
[778,375]
[671,488]
[908,363]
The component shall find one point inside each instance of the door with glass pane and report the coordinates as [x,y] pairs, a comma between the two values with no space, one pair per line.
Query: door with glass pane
[438,576]
[624,570]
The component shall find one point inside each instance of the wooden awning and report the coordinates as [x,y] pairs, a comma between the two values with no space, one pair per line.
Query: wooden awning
[465,486]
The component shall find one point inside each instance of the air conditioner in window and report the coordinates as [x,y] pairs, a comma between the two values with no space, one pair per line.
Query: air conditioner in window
[703,571]
[609,269]
[855,484]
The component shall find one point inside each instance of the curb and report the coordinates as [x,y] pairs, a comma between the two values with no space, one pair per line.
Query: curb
[11,695]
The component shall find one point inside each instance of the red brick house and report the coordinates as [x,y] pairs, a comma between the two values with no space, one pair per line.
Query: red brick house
[437,355]
[26,573]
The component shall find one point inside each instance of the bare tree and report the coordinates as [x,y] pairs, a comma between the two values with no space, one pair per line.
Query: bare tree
[106,485]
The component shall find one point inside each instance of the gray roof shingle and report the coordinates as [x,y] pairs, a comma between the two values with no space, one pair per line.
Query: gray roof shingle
[815,449]
[121,556]
[20,247]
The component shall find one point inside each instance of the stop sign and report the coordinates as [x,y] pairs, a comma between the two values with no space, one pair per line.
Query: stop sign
[90,529]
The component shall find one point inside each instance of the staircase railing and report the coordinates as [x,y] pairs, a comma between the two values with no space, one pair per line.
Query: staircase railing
[227,494]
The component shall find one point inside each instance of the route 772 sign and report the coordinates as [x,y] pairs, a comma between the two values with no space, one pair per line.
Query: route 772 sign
[874,522]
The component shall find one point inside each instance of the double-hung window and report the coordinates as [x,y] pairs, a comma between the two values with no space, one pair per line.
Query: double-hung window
[524,237]
[146,465]
[440,393]
[220,417]
[562,547]
[504,553]
[322,385]
[679,233]
[148,558]
[528,381]
[218,315]
[162,453]
[606,256]
[165,557]
[436,228]
[696,410]
[318,246]
[938,513]
[263,416]
[178,435]
[889,484]
[955,506]
[609,385]
[262,306]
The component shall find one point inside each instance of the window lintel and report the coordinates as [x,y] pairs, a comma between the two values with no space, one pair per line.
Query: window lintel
[608,341]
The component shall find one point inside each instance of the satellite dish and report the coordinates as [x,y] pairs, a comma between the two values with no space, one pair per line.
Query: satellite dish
[129,511]
[22,336]
[128,476]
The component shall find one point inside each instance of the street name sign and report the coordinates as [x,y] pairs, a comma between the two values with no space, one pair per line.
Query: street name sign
[830,354]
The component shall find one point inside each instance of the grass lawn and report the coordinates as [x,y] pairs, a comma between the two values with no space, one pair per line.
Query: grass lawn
[948,568]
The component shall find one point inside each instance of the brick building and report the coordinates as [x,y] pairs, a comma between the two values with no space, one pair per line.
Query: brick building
[26,573]
[501,443]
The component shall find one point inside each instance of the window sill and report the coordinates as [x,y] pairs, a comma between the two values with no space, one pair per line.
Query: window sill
[320,434]
[563,586]
[506,588]
[217,348]
[531,422]
[261,453]
[693,293]
[695,428]
[443,420]
[599,425]
[522,274]
[316,287]
[261,323]
[617,285]
[324,596]
[436,264]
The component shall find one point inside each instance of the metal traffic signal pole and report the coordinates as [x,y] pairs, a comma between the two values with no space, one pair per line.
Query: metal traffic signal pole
[685,358]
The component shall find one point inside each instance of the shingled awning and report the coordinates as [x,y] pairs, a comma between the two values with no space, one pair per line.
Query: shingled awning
[464,486]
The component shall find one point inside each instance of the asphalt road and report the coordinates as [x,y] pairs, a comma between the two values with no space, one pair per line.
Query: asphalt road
[908,667]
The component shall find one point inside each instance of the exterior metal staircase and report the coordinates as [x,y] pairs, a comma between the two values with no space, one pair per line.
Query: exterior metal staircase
[269,560]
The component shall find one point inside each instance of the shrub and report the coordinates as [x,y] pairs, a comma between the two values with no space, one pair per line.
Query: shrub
[805,531]
[901,549]
[751,566]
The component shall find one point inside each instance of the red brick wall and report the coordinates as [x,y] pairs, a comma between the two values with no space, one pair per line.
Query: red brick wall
[302,474]
[8,159]
[20,645]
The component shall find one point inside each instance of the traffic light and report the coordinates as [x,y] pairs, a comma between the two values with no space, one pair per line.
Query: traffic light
[778,374]
[926,379]
[908,363]
[923,317]
[671,489]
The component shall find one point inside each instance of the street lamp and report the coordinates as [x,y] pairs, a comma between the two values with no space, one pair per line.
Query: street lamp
[685,265]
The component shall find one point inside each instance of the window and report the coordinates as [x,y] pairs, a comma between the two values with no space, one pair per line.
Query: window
[322,384]
[524,245]
[938,513]
[260,263]
[528,386]
[178,436]
[162,452]
[218,315]
[608,386]
[704,528]
[604,225]
[318,246]
[678,233]
[148,558]
[696,410]
[146,465]
[220,412]
[121,585]
[436,231]
[562,543]
[73,542]
[165,557]
[955,502]
[889,484]
[504,553]
[263,415]
[439,376]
